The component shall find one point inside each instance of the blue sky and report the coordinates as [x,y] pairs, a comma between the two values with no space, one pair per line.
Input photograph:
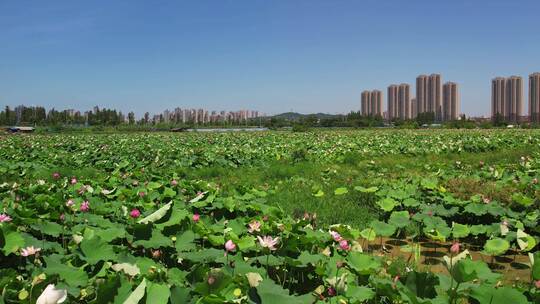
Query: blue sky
[273,56]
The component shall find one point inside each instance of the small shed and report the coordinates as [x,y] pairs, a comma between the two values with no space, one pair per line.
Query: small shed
[21,129]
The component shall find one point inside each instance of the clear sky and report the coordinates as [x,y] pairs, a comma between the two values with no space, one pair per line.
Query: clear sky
[273,56]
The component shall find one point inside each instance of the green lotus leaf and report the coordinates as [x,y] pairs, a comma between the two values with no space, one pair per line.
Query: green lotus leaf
[496,246]
[477,209]
[359,293]
[368,234]
[137,294]
[319,193]
[460,231]
[157,293]
[157,215]
[10,241]
[270,292]
[366,190]
[500,295]
[387,204]
[95,250]
[306,258]
[467,270]
[399,219]
[477,229]
[341,191]
[411,202]
[73,276]
[382,228]
[363,263]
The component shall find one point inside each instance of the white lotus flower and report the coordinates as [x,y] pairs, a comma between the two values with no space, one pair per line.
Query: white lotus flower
[451,261]
[268,242]
[51,295]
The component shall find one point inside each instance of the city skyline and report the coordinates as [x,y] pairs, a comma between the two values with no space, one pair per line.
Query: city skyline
[304,56]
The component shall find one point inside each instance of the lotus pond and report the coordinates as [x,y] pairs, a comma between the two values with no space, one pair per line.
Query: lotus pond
[378,216]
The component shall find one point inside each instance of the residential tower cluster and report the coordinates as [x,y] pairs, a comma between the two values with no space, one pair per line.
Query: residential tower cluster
[442,100]
[202,116]
[507,98]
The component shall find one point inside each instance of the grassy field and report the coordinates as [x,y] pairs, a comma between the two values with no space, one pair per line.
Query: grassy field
[291,185]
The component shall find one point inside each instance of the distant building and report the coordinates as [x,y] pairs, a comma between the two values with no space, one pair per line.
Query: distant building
[507,98]
[372,103]
[451,102]
[534,97]
[404,101]
[392,102]
[428,95]
[421,94]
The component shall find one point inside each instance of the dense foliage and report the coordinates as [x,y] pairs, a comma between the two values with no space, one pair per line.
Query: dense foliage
[133,230]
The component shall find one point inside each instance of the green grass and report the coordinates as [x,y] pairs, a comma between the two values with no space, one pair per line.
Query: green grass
[291,185]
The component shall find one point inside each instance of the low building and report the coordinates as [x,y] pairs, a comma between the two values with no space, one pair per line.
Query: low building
[21,129]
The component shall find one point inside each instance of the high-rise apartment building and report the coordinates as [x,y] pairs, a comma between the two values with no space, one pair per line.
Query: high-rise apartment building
[450,104]
[392,100]
[366,103]
[414,111]
[507,98]
[404,101]
[421,94]
[372,103]
[377,102]
[534,97]
[514,97]
[498,96]
[435,96]
[428,95]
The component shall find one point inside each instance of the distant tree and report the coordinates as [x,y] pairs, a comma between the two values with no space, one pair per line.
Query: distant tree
[146,117]
[498,120]
[131,118]
[425,118]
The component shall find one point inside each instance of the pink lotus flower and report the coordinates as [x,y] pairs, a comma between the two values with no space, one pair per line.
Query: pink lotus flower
[254,226]
[535,181]
[336,236]
[29,251]
[85,206]
[343,244]
[268,242]
[135,213]
[196,217]
[486,200]
[142,194]
[5,218]
[430,213]
[73,180]
[70,203]
[230,246]
[62,217]
[56,175]
[455,248]
[537,284]
[174,182]
[331,291]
